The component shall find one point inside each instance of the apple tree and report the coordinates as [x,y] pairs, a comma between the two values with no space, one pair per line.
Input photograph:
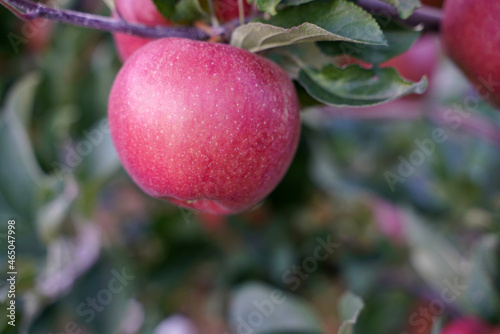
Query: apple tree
[263,166]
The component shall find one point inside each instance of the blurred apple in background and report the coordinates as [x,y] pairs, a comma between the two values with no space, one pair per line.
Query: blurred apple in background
[470,33]
[468,325]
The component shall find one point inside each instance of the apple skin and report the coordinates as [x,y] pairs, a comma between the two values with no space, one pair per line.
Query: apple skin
[470,33]
[206,126]
[467,325]
[136,11]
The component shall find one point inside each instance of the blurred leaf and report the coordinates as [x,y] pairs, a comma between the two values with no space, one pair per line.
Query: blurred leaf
[433,257]
[179,10]
[277,311]
[356,86]
[68,259]
[481,293]
[405,7]
[50,215]
[399,40]
[350,307]
[336,20]
[103,161]
[21,96]
[268,6]
[20,174]
[110,4]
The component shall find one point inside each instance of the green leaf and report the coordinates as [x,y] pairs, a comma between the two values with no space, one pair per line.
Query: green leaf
[25,190]
[110,4]
[350,306]
[336,20]
[293,57]
[20,174]
[356,86]
[399,40]
[405,7]
[21,96]
[268,6]
[339,17]
[257,36]
[103,160]
[280,312]
[294,2]
[180,10]
[52,212]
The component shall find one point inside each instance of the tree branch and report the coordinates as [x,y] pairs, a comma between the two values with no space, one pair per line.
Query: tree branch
[429,17]
[29,10]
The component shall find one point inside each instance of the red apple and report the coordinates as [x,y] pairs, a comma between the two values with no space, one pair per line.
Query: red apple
[136,11]
[468,325]
[470,30]
[203,125]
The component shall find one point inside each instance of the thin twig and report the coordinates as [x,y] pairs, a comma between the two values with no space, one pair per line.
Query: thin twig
[29,10]
[428,17]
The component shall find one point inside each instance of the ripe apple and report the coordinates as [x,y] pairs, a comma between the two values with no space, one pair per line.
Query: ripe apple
[204,125]
[470,34]
[435,3]
[136,11]
[468,325]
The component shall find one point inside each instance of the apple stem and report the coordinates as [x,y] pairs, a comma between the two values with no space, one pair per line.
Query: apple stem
[29,10]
